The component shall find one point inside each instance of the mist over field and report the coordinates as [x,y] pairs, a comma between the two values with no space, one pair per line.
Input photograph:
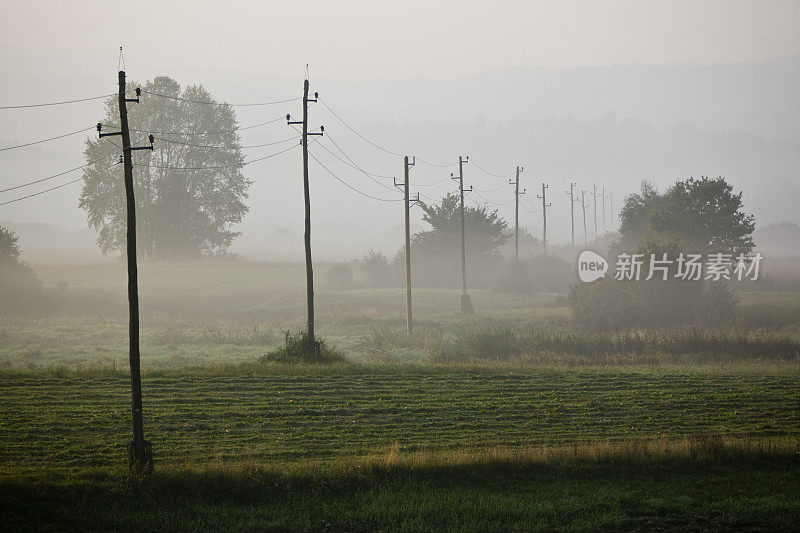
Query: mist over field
[581,311]
[612,125]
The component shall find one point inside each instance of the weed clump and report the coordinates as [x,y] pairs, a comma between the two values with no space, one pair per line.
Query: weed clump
[300,349]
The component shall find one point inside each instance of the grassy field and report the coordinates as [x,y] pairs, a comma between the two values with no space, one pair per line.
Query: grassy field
[353,447]
[511,419]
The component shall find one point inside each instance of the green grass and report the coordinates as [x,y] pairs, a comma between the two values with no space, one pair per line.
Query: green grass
[508,419]
[71,420]
[691,484]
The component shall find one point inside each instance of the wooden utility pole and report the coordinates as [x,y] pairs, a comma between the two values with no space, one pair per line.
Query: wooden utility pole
[545,205]
[611,200]
[572,209]
[466,304]
[604,210]
[594,196]
[313,347]
[140,451]
[583,205]
[515,183]
[406,167]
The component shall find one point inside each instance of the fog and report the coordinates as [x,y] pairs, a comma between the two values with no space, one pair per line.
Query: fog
[603,95]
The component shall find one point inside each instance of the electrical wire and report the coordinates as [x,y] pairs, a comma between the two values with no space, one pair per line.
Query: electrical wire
[490,173]
[219,103]
[218,167]
[354,131]
[492,190]
[435,199]
[356,167]
[350,186]
[50,189]
[185,133]
[379,147]
[490,202]
[55,175]
[444,165]
[328,136]
[432,184]
[225,147]
[46,140]
[57,103]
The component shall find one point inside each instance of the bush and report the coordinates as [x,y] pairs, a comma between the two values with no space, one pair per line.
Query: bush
[491,343]
[717,304]
[539,273]
[376,268]
[340,276]
[298,349]
[19,286]
[513,277]
[601,304]
[608,303]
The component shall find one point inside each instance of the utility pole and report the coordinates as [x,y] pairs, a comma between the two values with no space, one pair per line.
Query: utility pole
[466,304]
[604,210]
[140,450]
[545,205]
[313,347]
[594,196]
[407,165]
[583,205]
[611,199]
[515,183]
[572,209]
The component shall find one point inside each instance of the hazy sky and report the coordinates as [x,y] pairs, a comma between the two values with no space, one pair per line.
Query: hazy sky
[257,51]
[378,38]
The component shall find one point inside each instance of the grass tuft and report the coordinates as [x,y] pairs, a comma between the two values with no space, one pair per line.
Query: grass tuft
[300,349]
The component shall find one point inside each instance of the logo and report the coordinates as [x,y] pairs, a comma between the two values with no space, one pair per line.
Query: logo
[591,266]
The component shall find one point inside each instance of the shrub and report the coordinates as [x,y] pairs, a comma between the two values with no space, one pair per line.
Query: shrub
[551,273]
[376,268]
[601,304]
[491,343]
[608,303]
[298,349]
[717,304]
[513,277]
[340,276]
[538,273]
[19,286]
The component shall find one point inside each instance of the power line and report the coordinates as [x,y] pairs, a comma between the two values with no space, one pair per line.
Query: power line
[491,173]
[356,167]
[57,103]
[186,133]
[46,140]
[243,163]
[379,147]
[350,186]
[54,175]
[435,199]
[219,103]
[495,204]
[351,159]
[446,178]
[492,190]
[225,147]
[354,131]
[51,188]
[444,165]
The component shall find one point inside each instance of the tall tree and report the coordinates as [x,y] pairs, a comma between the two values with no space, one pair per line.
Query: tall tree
[707,215]
[485,231]
[436,253]
[189,191]
[704,215]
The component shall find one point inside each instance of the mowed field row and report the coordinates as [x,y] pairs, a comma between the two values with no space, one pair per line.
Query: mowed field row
[51,422]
